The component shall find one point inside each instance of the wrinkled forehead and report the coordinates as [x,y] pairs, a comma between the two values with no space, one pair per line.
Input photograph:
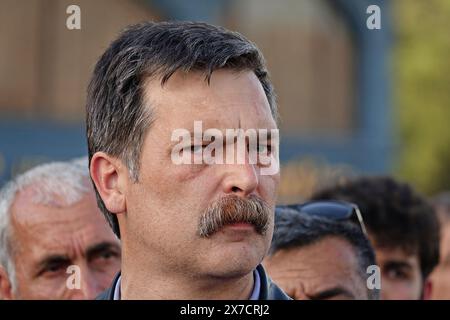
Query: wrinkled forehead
[37,193]
[312,268]
[32,207]
[37,226]
[229,99]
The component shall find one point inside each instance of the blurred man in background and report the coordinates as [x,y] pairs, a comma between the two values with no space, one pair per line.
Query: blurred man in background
[403,229]
[318,258]
[54,241]
[441,275]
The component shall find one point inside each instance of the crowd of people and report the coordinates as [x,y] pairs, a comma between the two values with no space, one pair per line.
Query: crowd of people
[200,230]
[49,220]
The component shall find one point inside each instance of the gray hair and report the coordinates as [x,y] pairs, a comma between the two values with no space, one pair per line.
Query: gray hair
[56,184]
[294,229]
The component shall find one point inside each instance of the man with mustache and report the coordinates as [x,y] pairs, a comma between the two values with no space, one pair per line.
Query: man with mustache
[191,230]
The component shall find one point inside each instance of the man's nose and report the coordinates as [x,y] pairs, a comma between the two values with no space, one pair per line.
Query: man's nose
[90,286]
[300,294]
[241,179]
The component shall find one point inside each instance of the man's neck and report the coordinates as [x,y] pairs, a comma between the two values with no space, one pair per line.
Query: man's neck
[144,284]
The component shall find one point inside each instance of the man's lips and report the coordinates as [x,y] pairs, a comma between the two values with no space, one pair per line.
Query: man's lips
[240,226]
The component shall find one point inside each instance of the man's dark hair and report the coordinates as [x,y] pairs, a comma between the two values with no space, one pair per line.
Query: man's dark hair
[395,215]
[294,229]
[117,117]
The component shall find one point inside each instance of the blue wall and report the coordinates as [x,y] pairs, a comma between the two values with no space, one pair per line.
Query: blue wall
[370,148]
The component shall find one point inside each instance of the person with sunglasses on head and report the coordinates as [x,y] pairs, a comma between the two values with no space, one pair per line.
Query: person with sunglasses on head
[403,229]
[318,253]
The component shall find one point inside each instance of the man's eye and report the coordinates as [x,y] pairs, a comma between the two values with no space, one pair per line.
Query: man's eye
[54,269]
[397,274]
[198,148]
[264,148]
[106,256]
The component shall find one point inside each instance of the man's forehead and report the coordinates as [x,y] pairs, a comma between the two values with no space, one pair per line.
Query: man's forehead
[331,248]
[39,193]
[228,96]
[184,82]
[314,270]
[30,220]
[42,229]
[396,254]
[25,202]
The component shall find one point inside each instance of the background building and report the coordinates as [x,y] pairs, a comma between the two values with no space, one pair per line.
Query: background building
[333,76]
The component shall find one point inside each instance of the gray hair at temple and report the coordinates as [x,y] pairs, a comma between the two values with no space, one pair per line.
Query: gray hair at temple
[294,229]
[57,184]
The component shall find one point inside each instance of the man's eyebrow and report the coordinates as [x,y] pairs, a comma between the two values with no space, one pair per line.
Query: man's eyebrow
[191,135]
[330,293]
[52,259]
[397,265]
[101,247]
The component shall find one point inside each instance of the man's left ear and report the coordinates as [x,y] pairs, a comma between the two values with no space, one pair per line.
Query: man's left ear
[427,289]
[5,285]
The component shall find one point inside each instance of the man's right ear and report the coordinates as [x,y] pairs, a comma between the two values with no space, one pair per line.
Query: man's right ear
[5,285]
[110,177]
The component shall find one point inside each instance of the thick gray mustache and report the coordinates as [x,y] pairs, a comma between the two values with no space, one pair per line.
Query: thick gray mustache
[234,209]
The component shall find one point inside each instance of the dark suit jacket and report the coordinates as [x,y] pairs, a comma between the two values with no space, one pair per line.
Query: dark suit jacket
[268,291]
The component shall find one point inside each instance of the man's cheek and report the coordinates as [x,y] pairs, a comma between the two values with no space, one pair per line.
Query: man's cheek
[268,188]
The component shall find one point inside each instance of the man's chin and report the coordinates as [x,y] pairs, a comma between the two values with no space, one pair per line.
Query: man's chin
[236,255]
[229,270]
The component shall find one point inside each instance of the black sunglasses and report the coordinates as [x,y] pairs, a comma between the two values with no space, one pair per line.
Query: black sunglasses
[336,210]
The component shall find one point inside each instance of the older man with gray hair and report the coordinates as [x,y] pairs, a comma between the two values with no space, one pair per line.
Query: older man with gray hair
[54,242]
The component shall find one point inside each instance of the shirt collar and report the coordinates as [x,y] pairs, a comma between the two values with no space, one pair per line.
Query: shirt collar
[256,287]
[253,296]
[117,289]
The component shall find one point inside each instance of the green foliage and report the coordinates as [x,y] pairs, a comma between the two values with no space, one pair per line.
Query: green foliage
[421,89]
